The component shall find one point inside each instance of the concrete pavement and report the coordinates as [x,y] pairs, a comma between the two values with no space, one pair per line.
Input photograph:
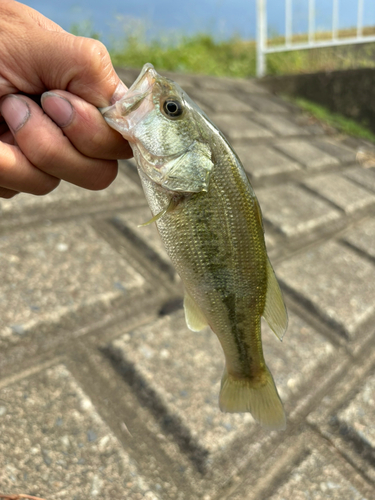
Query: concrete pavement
[105,393]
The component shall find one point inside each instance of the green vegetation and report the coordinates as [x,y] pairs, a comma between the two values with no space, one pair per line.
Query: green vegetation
[194,54]
[236,58]
[343,124]
[201,53]
[85,28]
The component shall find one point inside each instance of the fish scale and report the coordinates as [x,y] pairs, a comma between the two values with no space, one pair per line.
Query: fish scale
[210,222]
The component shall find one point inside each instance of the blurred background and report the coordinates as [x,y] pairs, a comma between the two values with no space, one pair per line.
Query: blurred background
[214,37]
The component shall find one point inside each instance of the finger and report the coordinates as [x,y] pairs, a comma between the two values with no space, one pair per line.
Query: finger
[3,127]
[45,146]
[18,174]
[7,137]
[81,66]
[85,126]
[7,193]
[39,55]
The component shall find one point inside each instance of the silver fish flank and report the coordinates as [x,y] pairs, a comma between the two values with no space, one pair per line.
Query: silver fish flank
[211,224]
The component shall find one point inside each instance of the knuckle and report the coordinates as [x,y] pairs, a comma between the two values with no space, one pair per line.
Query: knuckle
[96,79]
[44,152]
[96,54]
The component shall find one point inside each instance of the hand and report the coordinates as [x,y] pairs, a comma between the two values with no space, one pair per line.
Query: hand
[66,138]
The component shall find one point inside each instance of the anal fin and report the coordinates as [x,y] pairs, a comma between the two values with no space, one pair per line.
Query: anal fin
[194,317]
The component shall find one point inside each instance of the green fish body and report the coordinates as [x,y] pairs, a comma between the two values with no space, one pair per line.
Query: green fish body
[210,222]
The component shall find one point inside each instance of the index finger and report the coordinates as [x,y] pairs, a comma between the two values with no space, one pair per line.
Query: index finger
[85,126]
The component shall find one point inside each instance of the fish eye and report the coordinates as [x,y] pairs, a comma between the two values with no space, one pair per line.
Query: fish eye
[172,108]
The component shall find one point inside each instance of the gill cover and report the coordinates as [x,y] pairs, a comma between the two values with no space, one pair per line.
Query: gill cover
[169,149]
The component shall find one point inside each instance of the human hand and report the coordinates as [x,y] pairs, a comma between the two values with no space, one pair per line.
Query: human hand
[67,138]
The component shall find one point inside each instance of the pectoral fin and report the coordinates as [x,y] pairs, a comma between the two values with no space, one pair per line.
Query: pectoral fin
[194,317]
[275,311]
[171,206]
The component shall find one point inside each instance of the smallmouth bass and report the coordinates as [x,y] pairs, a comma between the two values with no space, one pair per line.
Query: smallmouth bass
[211,224]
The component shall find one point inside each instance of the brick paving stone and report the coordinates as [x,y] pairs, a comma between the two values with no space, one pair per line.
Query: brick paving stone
[236,126]
[146,238]
[128,75]
[363,237]
[279,124]
[306,154]
[230,85]
[317,479]
[184,369]
[51,272]
[54,444]
[270,240]
[359,415]
[219,102]
[295,361]
[266,104]
[294,211]
[187,82]
[363,176]
[313,126]
[68,196]
[365,154]
[264,161]
[59,277]
[335,281]
[336,149]
[341,191]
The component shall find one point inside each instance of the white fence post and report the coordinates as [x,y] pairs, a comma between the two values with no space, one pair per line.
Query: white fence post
[360,18]
[263,48]
[261,37]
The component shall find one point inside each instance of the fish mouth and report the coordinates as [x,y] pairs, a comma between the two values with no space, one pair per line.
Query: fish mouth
[120,115]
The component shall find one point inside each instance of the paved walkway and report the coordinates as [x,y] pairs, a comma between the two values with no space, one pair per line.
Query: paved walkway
[105,393]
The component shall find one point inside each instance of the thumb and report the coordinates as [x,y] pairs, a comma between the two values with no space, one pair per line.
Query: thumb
[37,55]
[79,65]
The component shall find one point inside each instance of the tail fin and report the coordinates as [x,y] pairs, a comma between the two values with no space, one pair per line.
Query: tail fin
[261,399]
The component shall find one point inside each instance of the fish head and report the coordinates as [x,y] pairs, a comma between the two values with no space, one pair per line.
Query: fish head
[168,133]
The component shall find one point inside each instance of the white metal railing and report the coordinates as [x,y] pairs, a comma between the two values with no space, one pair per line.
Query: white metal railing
[262,41]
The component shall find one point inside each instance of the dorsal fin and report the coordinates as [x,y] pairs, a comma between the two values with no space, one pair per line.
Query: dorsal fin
[275,311]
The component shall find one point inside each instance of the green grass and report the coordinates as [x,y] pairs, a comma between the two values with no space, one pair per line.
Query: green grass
[194,54]
[235,58]
[202,54]
[341,123]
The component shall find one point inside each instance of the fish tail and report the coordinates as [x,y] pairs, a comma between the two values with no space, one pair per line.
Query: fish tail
[258,396]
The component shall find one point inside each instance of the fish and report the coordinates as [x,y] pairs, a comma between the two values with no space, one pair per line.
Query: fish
[210,222]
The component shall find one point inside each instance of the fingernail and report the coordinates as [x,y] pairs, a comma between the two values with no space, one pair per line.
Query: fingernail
[15,112]
[57,108]
[120,91]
